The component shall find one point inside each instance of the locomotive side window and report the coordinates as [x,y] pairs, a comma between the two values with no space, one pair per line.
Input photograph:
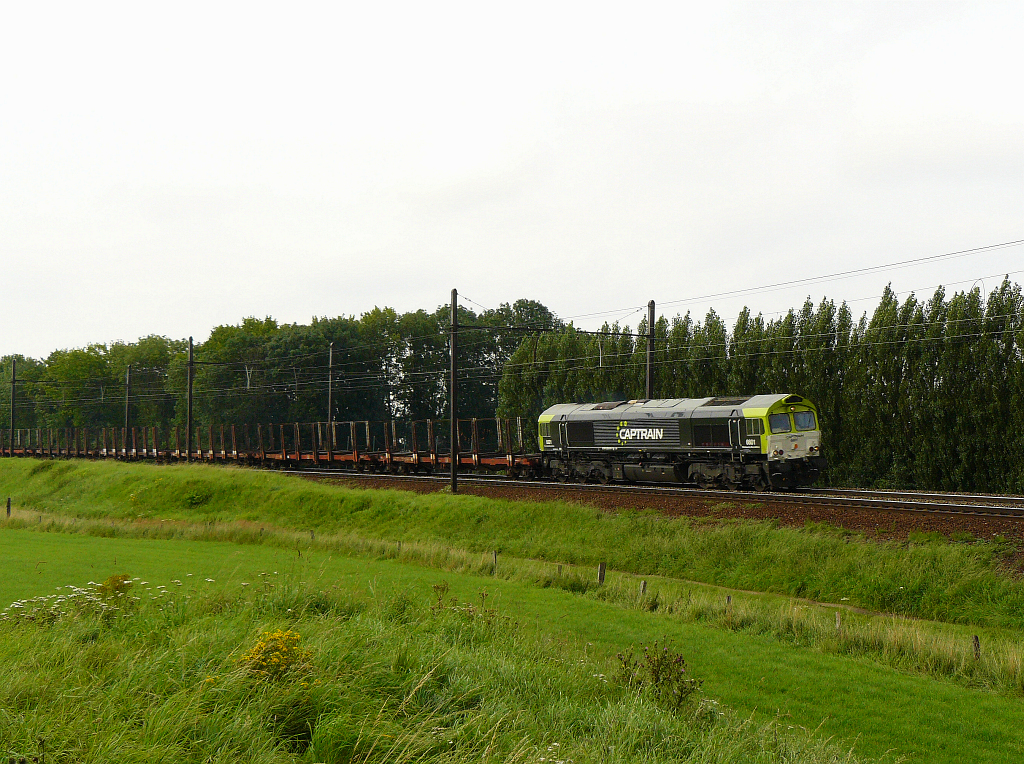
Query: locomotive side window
[580,433]
[713,433]
[779,423]
[752,427]
[804,420]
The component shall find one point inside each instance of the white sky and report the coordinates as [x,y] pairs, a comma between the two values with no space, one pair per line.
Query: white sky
[164,169]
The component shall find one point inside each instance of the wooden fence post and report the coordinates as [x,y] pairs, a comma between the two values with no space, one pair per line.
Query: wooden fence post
[600,572]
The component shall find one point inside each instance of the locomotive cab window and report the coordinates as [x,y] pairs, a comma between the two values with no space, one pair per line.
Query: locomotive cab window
[804,420]
[752,427]
[779,423]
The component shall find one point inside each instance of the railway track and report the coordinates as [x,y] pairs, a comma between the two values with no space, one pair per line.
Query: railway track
[976,505]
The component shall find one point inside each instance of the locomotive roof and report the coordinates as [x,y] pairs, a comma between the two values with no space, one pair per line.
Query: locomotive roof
[661,408]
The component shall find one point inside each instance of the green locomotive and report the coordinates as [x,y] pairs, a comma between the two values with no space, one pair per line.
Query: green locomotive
[751,442]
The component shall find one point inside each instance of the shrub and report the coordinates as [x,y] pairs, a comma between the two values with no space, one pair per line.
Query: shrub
[275,654]
[659,671]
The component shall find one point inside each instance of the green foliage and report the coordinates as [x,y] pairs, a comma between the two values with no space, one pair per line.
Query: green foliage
[166,684]
[808,671]
[953,582]
[926,395]
[661,671]
[386,365]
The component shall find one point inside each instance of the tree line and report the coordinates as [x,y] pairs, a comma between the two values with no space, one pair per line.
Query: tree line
[381,365]
[925,394]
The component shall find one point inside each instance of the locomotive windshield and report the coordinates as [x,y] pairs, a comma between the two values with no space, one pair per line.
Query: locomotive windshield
[779,422]
[804,420]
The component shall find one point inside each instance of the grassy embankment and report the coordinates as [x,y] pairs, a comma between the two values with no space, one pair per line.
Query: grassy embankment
[287,672]
[856,703]
[951,582]
[138,496]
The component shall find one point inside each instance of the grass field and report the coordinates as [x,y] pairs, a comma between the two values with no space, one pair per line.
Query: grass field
[953,582]
[763,654]
[870,708]
[387,669]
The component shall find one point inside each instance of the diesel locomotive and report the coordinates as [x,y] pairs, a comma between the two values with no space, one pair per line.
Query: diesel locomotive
[747,442]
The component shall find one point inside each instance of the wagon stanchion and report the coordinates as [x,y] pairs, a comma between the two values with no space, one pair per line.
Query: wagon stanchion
[475,443]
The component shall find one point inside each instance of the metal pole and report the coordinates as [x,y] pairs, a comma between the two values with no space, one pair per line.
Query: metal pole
[453,392]
[127,393]
[330,393]
[188,415]
[650,350]
[14,382]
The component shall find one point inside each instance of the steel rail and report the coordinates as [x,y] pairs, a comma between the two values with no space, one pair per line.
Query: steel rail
[992,498]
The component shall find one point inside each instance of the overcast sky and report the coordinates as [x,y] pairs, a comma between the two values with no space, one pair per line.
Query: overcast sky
[164,169]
